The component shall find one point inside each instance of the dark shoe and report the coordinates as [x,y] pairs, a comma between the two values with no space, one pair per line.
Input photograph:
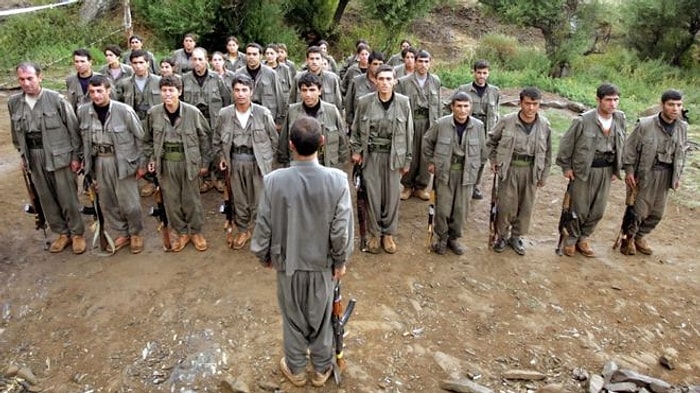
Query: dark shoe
[363,243]
[456,248]
[517,244]
[476,194]
[319,379]
[584,247]
[500,245]
[642,246]
[60,243]
[440,247]
[627,247]
[297,380]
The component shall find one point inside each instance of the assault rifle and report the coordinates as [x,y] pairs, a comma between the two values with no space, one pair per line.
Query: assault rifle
[338,319]
[227,207]
[628,219]
[493,211]
[362,204]
[568,221]
[158,211]
[100,237]
[34,205]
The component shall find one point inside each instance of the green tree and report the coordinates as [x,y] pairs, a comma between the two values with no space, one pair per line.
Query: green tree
[313,16]
[660,29]
[565,24]
[396,15]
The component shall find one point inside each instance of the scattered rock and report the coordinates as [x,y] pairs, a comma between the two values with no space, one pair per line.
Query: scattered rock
[595,384]
[448,363]
[609,369]
[527,375]
[669,358]
[27,374]
[622,387]
[552,388]
[580,374]
[656,385]
[11,371]
[232,385]
[268,386]
[464,385]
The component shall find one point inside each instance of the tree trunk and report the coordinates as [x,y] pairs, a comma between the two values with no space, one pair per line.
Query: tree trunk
[93,9]
[339,11]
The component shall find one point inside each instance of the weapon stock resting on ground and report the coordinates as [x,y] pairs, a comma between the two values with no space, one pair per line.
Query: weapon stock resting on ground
[362,204]
[338,319]
[568,221]
[227,207]
[431,220]
[106,243]
[34,205]
[159,210]
[493,212]
[629,218]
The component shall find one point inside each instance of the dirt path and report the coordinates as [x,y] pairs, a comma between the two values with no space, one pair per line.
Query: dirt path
[160,322]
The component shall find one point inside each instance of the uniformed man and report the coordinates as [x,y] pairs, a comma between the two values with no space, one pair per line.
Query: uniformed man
[361,85]
[305,199]
[268,91]
[206,91]
[140,92]
[182,56]
[654,159]
[245,142]
[590,155]
[112,151]
[177,148]
[334,151]
[397,59]
[485,101]
[520,151]
[454,161]
[77,85]
[330,91]
[136,43]
[46,134]
[423,89]
[382,142]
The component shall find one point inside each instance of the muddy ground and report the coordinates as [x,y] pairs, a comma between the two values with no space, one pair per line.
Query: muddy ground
[164,322]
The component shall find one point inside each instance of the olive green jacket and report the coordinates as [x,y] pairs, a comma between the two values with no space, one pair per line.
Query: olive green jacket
[427,96]
[438,145]
[212,95]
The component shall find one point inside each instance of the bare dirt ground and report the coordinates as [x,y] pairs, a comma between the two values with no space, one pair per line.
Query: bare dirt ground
[183,322]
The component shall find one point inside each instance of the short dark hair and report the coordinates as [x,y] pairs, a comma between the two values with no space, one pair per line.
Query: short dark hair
[114,49]
[671,94]
[423,54]
[139,53]
[460,96]
[100,80]
[308,79]
[170,81]
[244,80]
[305,135]
[168,60]
[408,50]
[82,52]
[26,65]
[273,46]
[375,56]
[314,49]
[254,45]
[530,92]
[481,64]
[405,41]
[607,89]
[385,68]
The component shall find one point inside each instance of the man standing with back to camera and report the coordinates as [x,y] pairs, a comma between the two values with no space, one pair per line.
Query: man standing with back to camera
[297,201]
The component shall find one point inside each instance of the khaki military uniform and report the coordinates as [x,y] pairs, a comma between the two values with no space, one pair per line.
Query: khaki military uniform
[128,92]
[182,61]
[523,161]
[48,137]
[285,78]
[75,93]
[334,152]
[330,89]
[249,152]
[656,159]
[484,108]
[179,151]
[113,152]
[457,165]
[425,104]
[352,72]
[153,65]
[594,158]
[268,92]
[209,98]
[125,72]
[384,139]
[236,63]
[359,87]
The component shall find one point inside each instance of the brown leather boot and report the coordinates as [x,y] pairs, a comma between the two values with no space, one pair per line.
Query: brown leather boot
[388,244]
[627,247]
[642,246]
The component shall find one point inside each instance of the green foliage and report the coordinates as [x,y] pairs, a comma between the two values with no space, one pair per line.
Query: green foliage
[174,18]
[660,29]
[509,54]
[395,16]
[312,15]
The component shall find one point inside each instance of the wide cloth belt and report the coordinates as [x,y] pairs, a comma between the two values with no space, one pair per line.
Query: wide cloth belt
[457,163]
[521,160]
[661,166]
[104,150]
[34,140]
[421,112]
[242,150]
